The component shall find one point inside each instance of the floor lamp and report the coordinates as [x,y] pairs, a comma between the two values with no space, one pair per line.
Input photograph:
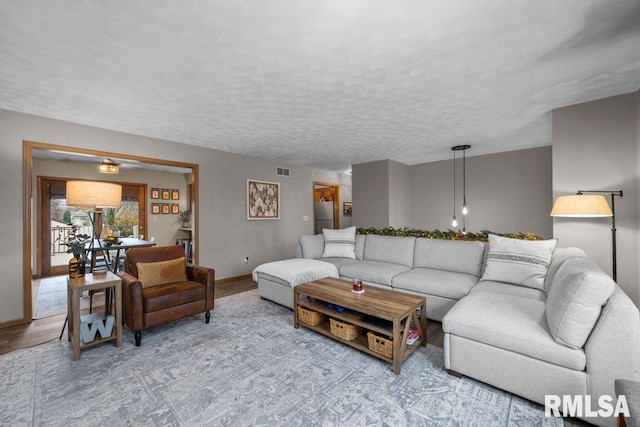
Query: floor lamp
[92,195]
[593,205]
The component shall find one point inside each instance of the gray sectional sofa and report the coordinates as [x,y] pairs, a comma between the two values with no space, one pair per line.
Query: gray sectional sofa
[573,332]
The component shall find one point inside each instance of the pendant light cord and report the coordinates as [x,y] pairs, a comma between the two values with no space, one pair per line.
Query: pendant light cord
[454,185]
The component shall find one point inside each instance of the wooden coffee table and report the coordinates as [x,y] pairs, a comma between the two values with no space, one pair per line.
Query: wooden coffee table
[397,309]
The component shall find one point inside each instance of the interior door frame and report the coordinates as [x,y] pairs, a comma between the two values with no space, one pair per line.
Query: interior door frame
[336,203]
[28,147]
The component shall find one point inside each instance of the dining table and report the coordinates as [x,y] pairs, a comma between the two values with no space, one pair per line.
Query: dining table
[113,251]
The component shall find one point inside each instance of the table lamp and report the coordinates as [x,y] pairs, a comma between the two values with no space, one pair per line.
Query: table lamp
[93,195]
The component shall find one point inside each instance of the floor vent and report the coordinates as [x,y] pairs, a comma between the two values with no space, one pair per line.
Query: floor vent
[282,171]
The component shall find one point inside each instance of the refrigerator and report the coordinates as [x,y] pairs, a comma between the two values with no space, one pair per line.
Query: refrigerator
[323,215]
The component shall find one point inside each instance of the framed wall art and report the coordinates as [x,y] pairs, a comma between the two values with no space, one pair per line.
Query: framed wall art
[166,194]
[155,193]
[155,208]
[346,208]
[165,209]
[175,208]
[175,194]
[263,200]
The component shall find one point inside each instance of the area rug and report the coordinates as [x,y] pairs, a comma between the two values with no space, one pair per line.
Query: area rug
[52,298]
[249,366]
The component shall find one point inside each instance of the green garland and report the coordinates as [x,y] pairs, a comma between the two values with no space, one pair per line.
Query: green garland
[482,236]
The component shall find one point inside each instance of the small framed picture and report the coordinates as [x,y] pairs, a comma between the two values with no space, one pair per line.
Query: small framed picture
[175,209]
[155,208]
[155,193]
[165,209]
[175,194]
[346,208]
[166,194]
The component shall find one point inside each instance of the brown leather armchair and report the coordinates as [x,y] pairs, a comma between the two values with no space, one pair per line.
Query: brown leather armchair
[156,305]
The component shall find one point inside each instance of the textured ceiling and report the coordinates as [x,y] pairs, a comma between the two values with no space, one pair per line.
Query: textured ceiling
[326,83]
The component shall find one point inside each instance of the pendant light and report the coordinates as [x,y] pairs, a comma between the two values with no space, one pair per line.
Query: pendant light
[454,223]
[465,208]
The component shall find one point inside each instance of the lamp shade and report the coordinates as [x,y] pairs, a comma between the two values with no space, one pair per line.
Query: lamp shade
[94,194]
[581,206]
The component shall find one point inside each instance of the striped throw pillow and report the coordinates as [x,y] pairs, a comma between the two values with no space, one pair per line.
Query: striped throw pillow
[339,243]
[520,262]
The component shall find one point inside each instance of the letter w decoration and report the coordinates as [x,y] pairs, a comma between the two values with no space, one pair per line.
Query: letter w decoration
[93,323]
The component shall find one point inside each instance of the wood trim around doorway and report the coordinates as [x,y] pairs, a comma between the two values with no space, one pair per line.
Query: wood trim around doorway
[336,202]
[27,196]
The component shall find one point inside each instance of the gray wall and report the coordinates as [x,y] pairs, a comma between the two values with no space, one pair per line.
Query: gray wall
[345,196]
[506,192]
[371,194]
[398,194]
[225,234]
[595,147]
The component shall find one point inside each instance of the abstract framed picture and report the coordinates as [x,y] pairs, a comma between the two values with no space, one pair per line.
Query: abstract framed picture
[155,208]
[263,200]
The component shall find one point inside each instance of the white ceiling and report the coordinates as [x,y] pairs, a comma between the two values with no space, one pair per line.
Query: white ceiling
[326,83]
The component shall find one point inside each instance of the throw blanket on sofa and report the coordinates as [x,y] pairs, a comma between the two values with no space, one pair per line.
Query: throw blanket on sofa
[297,271]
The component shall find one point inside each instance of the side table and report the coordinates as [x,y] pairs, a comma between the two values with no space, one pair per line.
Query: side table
[75,287]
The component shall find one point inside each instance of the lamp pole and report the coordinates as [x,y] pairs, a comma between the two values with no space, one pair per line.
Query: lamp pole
[612,194]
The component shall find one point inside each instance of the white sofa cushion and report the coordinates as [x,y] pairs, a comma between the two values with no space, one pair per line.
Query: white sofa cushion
[372,271]
[338,262]
[509,289]
[450,255]
[360,239]
[339,243]
[445,284]
[521,262]
[560,255]
[512,323]
[578,292]
[391,249]
[312,246]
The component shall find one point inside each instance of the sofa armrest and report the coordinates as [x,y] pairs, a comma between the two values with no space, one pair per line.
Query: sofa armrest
[205,276]
[613,348]
[132,301]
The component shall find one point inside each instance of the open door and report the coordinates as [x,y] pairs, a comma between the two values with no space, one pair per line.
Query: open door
[326,206]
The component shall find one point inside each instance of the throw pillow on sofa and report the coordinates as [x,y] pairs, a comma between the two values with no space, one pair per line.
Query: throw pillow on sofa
[578,292]
[520,262]
[339,243]
[161,272]
[312,246]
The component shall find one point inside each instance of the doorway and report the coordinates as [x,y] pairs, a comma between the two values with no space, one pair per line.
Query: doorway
[326,206]
[57,222]
[75,155]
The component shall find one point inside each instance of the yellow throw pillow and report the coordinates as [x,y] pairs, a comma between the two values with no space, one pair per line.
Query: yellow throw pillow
[162,272]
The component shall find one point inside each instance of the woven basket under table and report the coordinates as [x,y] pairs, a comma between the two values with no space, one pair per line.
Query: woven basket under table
[344,330]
